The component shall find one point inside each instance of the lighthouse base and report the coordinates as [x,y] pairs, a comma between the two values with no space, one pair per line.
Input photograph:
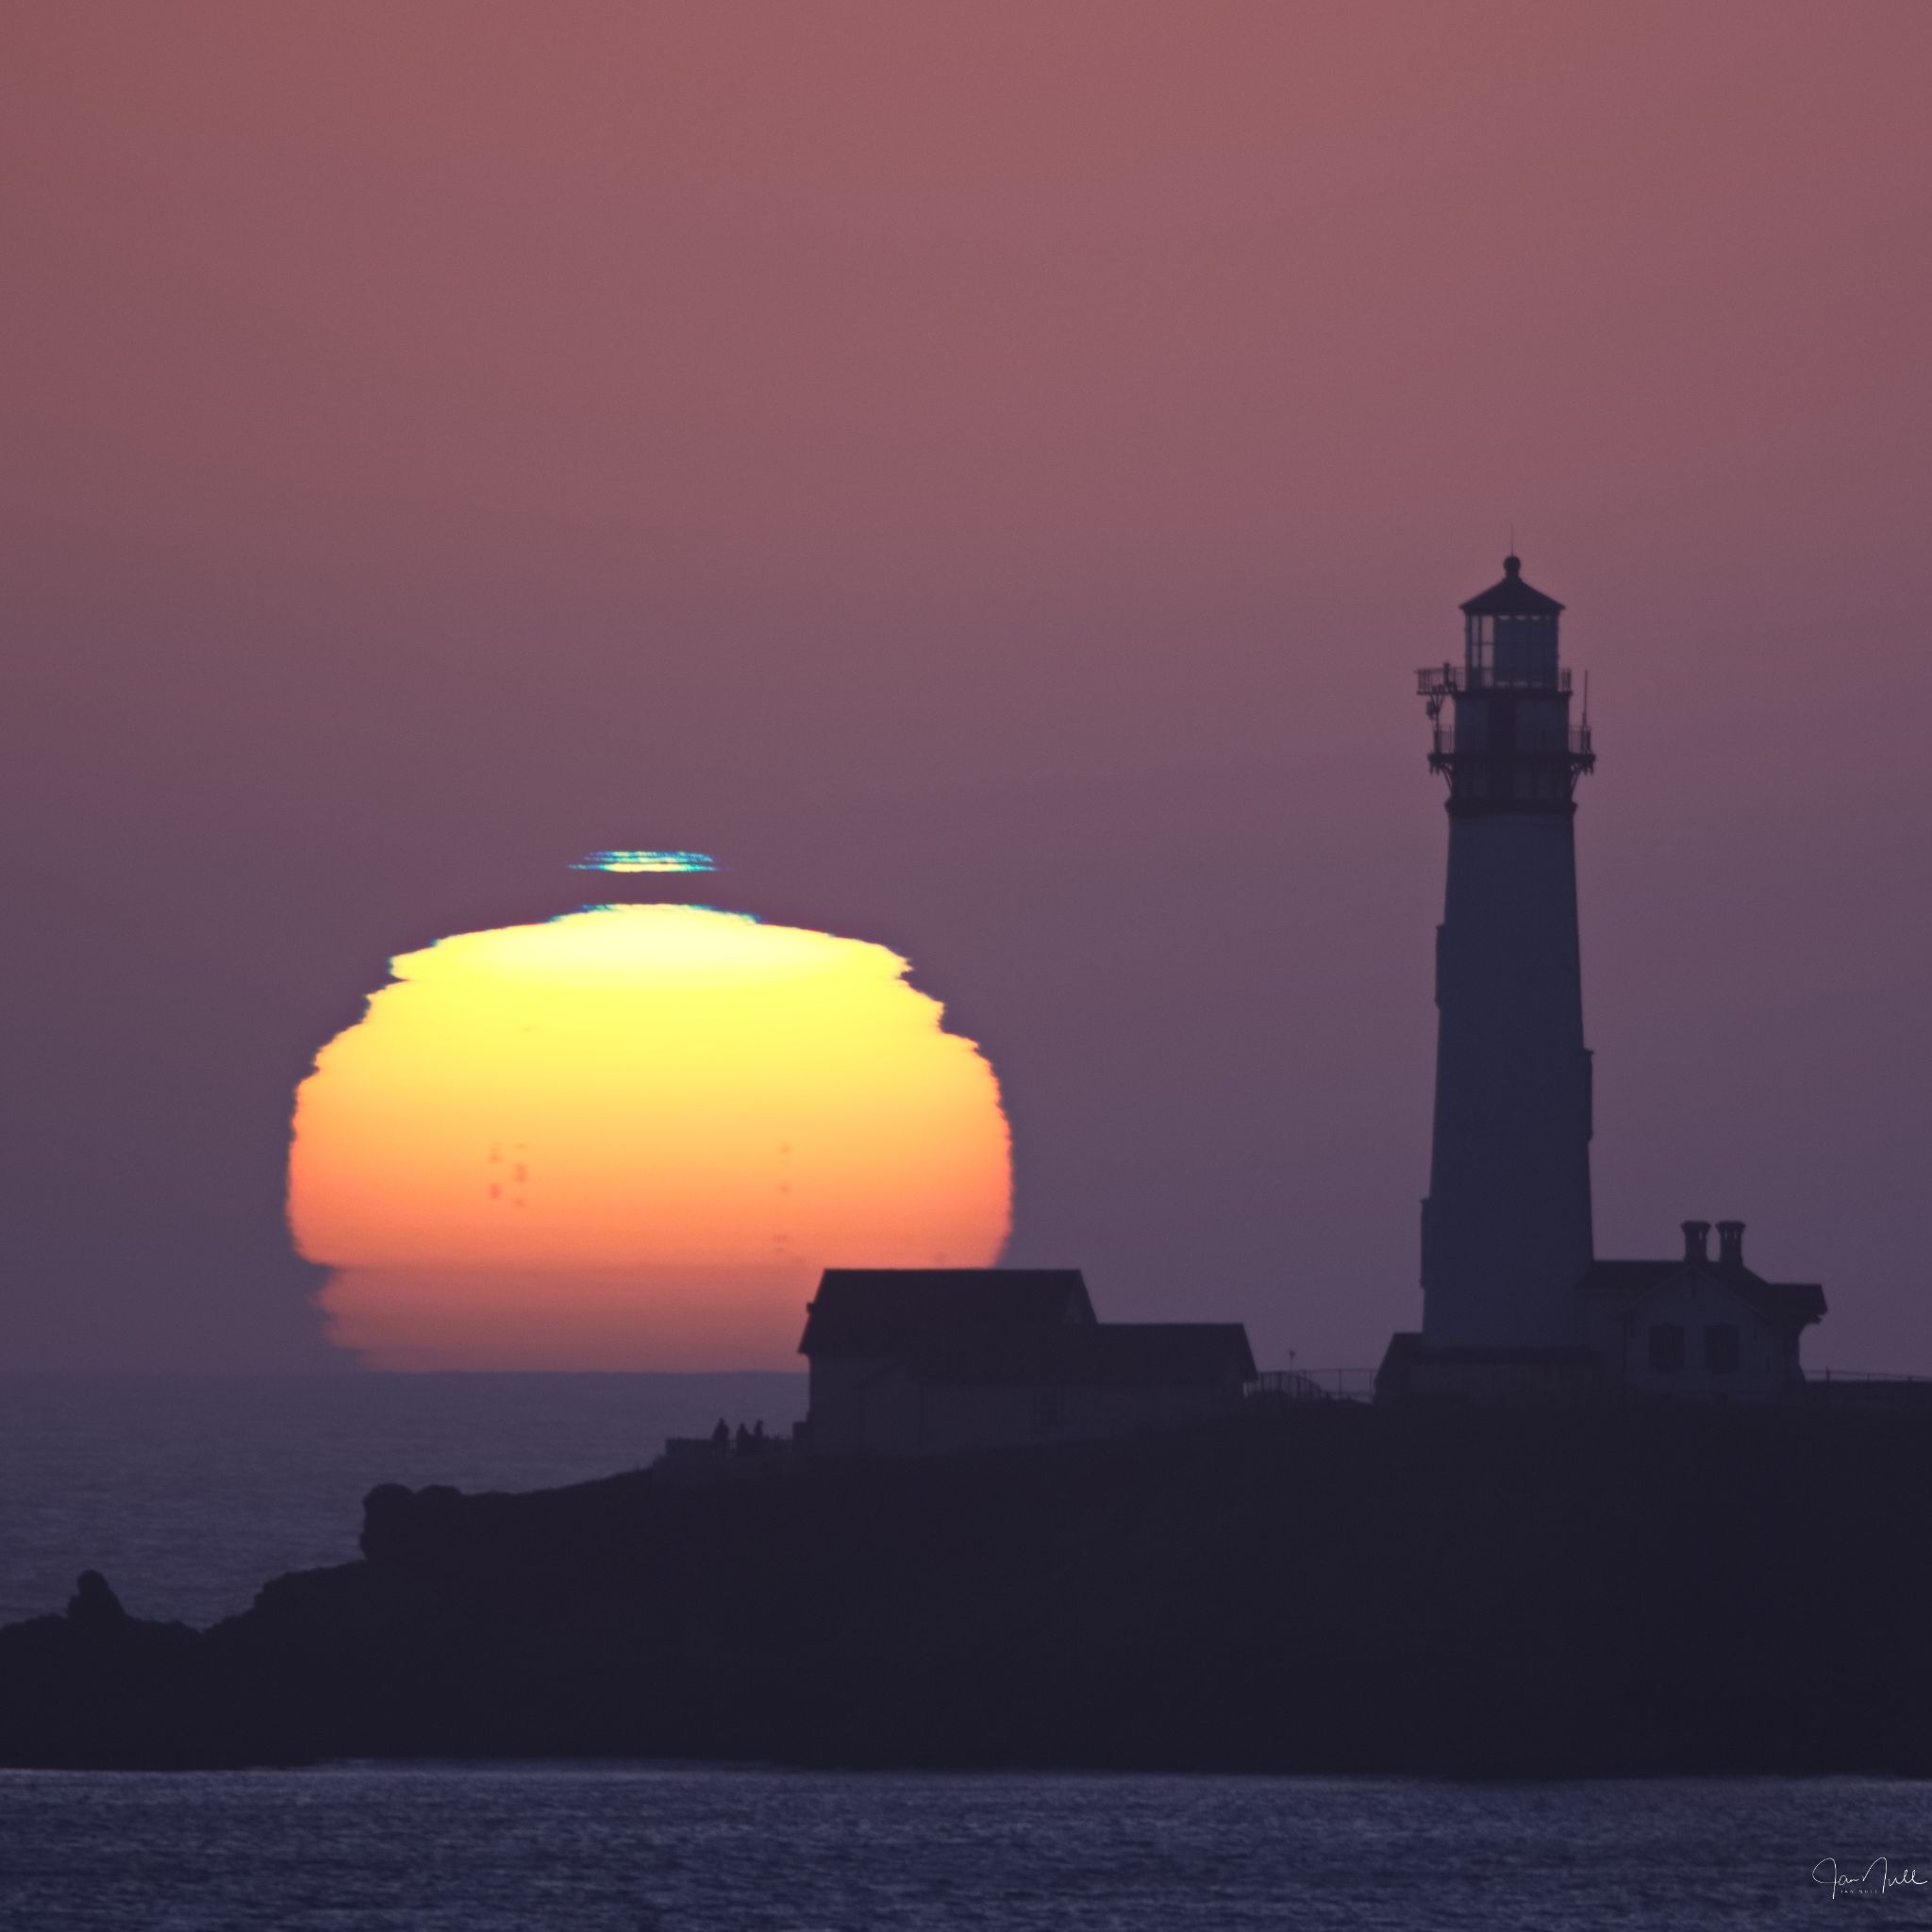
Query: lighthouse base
[1414,1372]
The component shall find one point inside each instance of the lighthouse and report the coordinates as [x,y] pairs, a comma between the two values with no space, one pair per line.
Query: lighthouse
[1507,1226]
[1515,1305]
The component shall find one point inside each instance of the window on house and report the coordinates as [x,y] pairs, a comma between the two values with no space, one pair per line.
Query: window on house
[1667,1346]
[1721,1348]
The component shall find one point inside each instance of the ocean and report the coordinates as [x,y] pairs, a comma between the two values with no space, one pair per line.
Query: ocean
[671,1848]
[188,1492]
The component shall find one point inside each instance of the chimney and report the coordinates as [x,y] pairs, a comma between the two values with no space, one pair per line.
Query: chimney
[1730,1243]
[1696,1233]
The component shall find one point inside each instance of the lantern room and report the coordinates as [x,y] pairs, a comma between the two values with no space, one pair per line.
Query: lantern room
[1509,633]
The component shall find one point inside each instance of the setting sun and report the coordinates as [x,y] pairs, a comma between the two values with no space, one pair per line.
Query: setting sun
[630,1138]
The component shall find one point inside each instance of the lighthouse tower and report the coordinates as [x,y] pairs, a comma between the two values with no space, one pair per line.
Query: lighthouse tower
[1505,1227]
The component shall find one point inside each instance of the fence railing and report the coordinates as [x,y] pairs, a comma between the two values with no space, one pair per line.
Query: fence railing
[1865,1389]
[1313,1385]
[1860,1375]
[1446,680]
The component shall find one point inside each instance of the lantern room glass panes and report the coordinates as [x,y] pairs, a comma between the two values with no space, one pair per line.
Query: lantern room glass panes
[1511,651]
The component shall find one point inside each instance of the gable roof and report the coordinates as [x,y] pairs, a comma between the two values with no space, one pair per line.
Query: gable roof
[905,1313]
[1632,1282]
[1511,597]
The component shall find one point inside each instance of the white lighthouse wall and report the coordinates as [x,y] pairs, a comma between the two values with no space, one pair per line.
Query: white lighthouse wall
[1507,1226]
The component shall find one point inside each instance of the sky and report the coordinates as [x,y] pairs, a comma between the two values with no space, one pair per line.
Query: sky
[989,474]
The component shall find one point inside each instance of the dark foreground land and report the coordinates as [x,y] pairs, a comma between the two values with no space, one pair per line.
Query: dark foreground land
[1312,1588]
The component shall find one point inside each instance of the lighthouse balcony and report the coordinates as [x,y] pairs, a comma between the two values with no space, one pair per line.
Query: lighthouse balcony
[1453,681]
[1572,745]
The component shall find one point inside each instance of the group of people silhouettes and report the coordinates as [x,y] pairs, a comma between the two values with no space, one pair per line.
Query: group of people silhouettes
[746,1441]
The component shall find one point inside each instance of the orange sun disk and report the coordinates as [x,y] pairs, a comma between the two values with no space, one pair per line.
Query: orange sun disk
[630,1138]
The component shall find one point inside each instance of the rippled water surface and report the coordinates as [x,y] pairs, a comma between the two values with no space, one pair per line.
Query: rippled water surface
[676,1849]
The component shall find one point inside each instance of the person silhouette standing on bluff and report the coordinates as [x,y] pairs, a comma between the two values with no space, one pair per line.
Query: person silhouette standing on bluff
[721,1437]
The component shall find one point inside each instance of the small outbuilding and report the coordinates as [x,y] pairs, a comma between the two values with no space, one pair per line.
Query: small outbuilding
[924,1361]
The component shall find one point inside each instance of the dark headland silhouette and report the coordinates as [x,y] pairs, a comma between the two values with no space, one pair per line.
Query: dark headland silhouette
[1305,1586]
[1597,1520]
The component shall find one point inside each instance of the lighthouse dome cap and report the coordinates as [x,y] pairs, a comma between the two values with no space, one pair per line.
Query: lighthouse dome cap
[1512,597]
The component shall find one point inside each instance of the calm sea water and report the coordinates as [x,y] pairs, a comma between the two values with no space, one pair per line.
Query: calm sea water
[671,1849]
[188,1493]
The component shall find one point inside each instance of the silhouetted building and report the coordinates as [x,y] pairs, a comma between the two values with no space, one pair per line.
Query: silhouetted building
[1514,1303]
[917,1361]
[1695,1325]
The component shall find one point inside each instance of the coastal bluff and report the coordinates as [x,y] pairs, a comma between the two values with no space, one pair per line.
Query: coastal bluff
[1317,1587]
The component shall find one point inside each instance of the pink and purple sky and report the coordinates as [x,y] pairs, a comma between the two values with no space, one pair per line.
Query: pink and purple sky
[988,474]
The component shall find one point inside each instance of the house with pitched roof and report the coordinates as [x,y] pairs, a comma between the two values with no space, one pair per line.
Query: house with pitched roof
[1693,1326]
[913,1362]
